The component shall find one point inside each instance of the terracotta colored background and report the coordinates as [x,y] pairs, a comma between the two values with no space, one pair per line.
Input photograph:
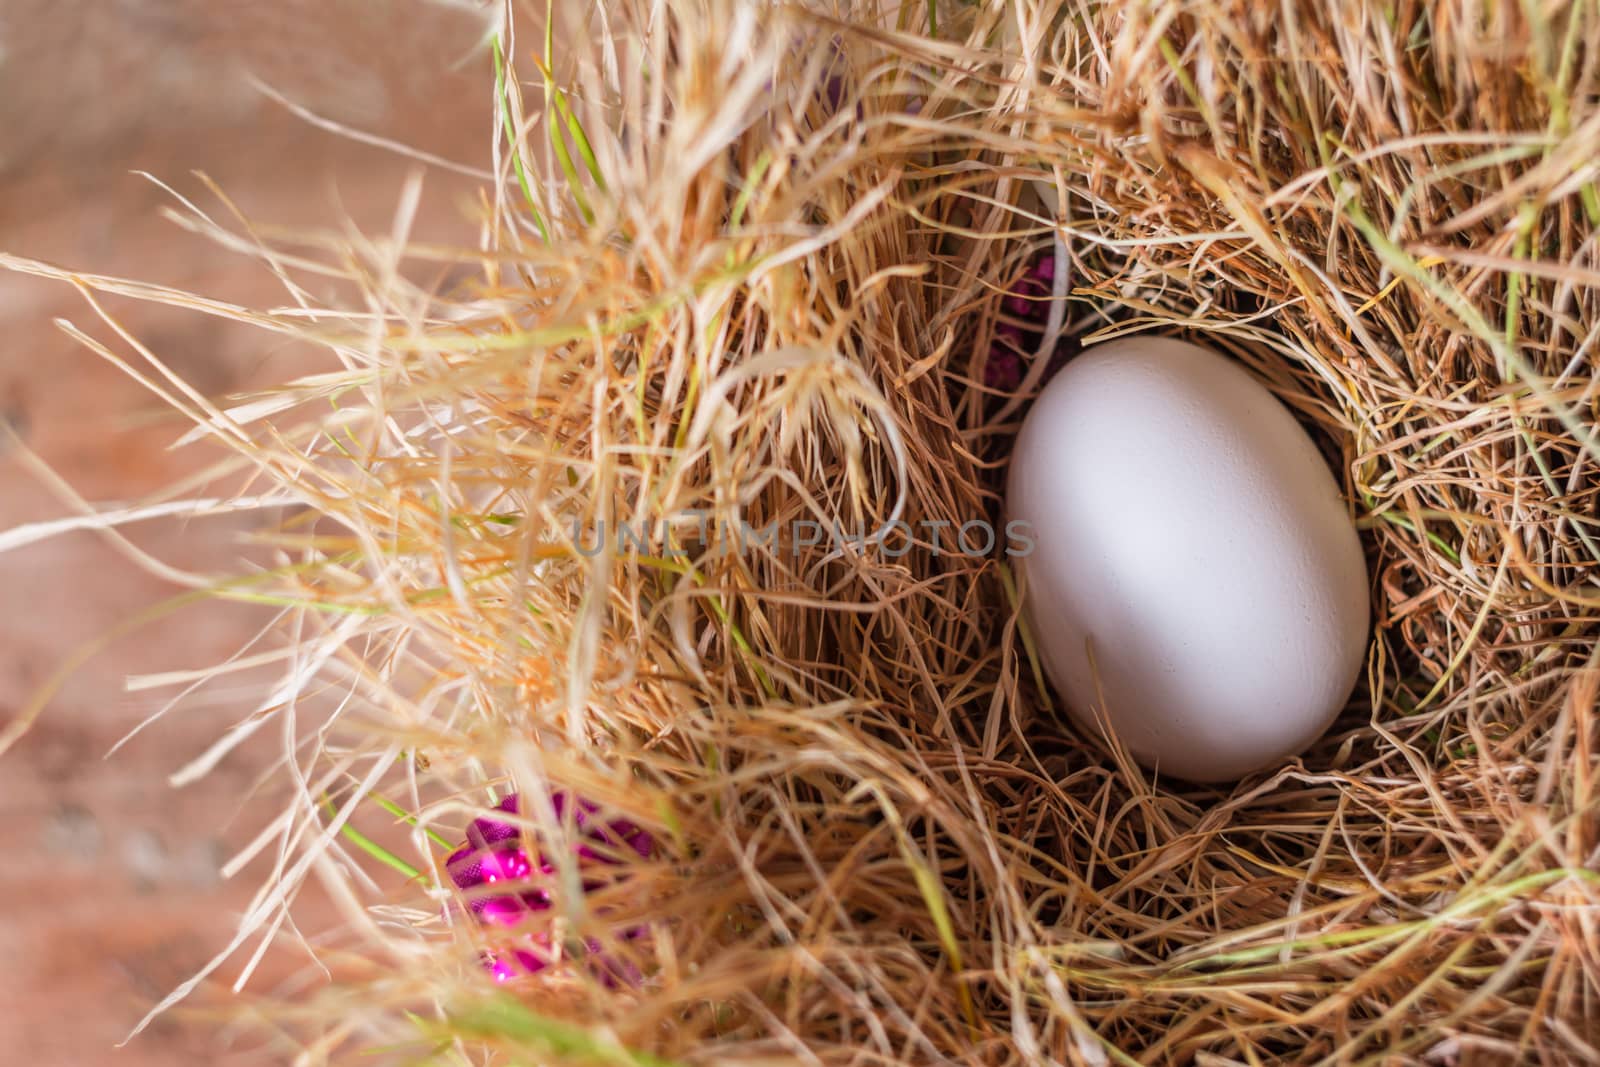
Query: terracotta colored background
[109,892]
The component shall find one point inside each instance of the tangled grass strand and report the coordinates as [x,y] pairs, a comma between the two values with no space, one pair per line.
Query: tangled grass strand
[739,269]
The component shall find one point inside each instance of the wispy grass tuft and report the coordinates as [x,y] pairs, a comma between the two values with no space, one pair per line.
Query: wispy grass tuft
[773,246]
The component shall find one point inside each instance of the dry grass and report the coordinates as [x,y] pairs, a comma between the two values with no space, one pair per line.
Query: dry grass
[755,275]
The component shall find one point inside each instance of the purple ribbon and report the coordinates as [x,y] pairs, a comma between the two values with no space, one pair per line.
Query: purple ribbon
[1029,302]
[495,854]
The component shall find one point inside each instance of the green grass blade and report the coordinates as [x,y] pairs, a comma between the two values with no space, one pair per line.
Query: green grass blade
[502,90]
[580,139]
[508,1019]
[558,144]
[410,820]
[554,97]
[369,846]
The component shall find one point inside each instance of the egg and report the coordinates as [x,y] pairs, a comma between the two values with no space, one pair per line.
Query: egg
[1195,584]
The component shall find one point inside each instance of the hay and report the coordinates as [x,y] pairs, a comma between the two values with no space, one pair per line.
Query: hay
[754,274]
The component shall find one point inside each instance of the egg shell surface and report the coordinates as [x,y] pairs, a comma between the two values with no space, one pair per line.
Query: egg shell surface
[1196,583]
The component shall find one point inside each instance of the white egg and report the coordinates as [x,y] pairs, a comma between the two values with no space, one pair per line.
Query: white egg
[1196,583]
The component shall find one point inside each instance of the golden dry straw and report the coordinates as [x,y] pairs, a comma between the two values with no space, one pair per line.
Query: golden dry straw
[744,261]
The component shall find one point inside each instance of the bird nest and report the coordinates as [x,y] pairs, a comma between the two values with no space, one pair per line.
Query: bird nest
[648,519]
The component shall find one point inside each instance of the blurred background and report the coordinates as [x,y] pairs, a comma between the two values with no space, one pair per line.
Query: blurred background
[109,888]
